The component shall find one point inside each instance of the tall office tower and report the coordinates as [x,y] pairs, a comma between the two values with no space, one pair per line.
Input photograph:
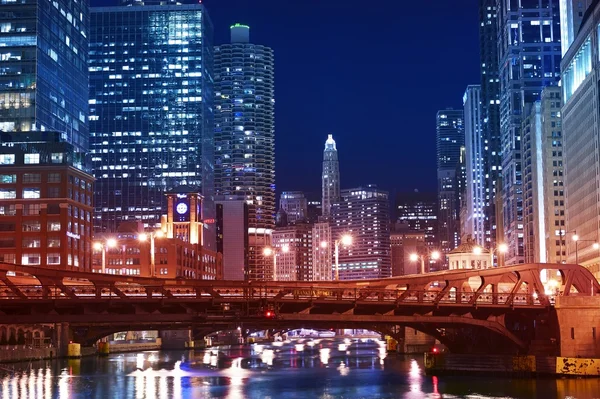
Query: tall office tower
[544,211]
[331,176]
[571,16]
[529,60]
[322,254]
[364,214]
[490,117]
[151,110]
[44,68]
[581,133]
[418,211]
[450,137]
[293,253]
[295,205]
[245,124]
[475,153]
[404,243]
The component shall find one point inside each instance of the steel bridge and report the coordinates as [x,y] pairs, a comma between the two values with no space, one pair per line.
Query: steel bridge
[466,308]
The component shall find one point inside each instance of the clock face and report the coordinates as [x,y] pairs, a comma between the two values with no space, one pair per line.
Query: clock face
[181,208]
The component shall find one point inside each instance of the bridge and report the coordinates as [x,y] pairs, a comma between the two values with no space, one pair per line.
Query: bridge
[500,310]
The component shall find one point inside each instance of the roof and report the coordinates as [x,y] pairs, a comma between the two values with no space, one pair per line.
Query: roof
[468,246]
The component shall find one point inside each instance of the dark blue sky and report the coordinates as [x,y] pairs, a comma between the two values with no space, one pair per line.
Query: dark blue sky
[372,73]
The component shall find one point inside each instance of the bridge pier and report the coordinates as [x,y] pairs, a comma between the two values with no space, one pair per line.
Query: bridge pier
[579,324]
[61,338]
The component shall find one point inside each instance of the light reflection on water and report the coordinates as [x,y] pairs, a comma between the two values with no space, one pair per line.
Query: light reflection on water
[324,369]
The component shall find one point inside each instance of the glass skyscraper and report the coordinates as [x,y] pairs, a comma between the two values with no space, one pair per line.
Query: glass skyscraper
[331,176]
[151,109]
[43,68]
[450,138]
[529,60]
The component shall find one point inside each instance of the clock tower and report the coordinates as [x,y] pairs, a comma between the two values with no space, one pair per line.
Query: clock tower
[184,214]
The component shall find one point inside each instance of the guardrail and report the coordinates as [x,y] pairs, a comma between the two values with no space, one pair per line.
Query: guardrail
[280,294]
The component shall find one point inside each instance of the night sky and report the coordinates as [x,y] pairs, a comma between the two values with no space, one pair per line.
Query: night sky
[372,73]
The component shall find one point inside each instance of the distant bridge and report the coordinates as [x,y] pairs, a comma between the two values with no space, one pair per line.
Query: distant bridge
[469,310]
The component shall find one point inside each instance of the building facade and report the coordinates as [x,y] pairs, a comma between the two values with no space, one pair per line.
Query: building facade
[580,134]
[293,253]
[245,124]
[418,212]
[331,177]
[43,56]
[475,144]
[151,109]
[450,137]
[232,236]
[490,118]
[295,206]
[45,202]
[571,16]
[529,60]
[322,252]
[363,213]
[544,212]
[404,243]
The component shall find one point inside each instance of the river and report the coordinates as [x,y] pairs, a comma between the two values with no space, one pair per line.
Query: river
[303,369]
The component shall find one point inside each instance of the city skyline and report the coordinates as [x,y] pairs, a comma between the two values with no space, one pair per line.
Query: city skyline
[325,78]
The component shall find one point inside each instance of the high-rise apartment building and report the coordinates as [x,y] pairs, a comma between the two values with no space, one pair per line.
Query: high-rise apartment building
[418,211]
[331,176]
[490,117]
[245,138]
[43,57]
[475,144]
[245,124]
[151,109]
[571,16]
[544,212]
[450,137]
[581,134]
[363,213]
[529,60]
[295,206]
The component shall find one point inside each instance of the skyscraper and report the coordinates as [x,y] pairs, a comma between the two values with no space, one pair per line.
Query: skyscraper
[490,116]
[44,68]
[151,109]
[475,196]
[529,60]
[245,138]
[331,176]
[450,137]
[364,214]
[580,131]
[295,205]
[571,16]
[245,124]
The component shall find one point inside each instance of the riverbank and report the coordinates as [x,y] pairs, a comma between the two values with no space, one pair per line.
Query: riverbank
[517,366]
[23,353]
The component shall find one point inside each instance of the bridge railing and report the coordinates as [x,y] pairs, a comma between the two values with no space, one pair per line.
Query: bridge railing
[236,293]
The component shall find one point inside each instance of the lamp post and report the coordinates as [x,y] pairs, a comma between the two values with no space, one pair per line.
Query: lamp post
[346,241]
[595,245]
[144,237]
[435,255]
[268,251]
[500,250]
[101,246]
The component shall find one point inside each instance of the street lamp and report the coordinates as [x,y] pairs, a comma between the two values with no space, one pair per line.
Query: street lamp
[144,237]
[575,237]
[101,246]
[500,250]
[346,240]
[268,251]
[435,255]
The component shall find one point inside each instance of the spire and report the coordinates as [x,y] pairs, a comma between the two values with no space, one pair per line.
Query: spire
[330,143]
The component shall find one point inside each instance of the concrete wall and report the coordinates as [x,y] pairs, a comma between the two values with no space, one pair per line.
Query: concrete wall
[579,323]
